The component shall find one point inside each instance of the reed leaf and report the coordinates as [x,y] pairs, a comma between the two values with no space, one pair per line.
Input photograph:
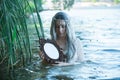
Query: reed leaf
[36,27]
[15,45]
[39,19]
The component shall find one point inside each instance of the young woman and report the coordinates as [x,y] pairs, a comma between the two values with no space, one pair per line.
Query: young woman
[62,32]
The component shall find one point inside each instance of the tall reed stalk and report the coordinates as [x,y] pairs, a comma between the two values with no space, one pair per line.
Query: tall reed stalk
[14,37]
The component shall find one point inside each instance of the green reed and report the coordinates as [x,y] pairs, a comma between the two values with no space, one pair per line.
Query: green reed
[15,48]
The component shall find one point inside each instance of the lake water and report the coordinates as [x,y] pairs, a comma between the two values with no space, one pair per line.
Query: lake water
[99,31]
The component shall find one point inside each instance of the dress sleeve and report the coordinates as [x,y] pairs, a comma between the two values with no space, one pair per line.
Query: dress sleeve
[79,55]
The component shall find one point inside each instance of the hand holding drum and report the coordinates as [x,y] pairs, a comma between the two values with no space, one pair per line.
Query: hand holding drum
[51,52]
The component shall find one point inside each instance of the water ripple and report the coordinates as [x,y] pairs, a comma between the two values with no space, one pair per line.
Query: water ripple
[111,50]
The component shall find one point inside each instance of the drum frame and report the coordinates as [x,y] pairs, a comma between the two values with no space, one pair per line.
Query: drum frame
[62,57]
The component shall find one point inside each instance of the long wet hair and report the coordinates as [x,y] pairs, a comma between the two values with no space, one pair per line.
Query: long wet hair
[69,33]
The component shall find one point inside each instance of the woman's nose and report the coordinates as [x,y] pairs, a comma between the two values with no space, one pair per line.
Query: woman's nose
[60,29]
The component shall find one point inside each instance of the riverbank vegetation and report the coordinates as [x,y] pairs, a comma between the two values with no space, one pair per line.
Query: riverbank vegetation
[15,45]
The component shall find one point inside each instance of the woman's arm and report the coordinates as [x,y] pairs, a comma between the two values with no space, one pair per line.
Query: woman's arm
[79,55]
[79,50]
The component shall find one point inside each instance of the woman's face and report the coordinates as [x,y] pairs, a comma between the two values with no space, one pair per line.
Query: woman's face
[60,28]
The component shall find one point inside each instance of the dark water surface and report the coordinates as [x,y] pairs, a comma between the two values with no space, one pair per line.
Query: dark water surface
[99,31]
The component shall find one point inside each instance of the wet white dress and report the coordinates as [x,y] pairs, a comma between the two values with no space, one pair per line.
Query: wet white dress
[79,55]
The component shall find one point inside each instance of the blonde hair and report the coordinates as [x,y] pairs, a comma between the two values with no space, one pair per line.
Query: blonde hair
[69,32]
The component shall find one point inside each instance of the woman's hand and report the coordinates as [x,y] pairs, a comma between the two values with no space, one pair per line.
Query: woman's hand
[62,64]
[41,55]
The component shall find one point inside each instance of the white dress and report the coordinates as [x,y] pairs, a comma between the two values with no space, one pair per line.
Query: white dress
[79,55]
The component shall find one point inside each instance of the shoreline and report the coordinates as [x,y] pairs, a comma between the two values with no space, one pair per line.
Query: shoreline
[96,5]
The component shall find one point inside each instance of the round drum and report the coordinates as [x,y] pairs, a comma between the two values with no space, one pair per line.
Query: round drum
[51,51]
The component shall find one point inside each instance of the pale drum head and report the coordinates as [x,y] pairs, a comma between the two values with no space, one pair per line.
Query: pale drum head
[51,50]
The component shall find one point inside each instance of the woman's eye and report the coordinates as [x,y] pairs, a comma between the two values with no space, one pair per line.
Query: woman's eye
[57,27]
[63,26]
